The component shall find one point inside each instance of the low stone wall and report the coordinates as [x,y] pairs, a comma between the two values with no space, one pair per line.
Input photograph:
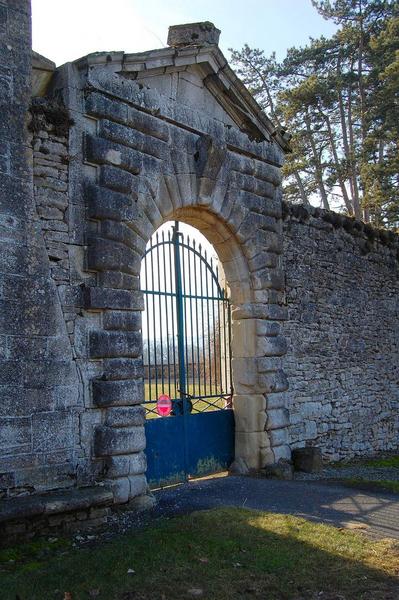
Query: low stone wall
[55,513]
[342,291]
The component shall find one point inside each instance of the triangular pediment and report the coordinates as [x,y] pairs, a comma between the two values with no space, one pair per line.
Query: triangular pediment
[199,77]
[202,78]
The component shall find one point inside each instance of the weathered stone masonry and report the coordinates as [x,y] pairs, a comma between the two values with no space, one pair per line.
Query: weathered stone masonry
[342,294]
[120,144]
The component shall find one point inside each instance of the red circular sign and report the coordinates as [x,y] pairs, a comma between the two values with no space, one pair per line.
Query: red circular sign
[164,405]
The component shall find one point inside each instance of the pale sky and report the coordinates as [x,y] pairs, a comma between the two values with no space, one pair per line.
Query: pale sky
[66,30]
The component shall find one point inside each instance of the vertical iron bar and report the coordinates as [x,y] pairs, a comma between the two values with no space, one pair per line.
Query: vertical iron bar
[225,345]
[229,344]
[208,321]
[147,308]
[179,311]
[191,321]
[202,320]
[154,327]
[184,301]
[220,334]
[166,308]
[196,321]
[172,280]
[161,324]
[214,325]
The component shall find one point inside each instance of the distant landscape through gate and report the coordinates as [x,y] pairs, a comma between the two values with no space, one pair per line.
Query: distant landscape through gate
[187,356]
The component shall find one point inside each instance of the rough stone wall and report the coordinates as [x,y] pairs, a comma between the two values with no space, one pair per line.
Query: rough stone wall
[342,294]
[39,386]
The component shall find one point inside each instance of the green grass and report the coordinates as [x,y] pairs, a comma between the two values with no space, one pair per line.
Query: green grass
[392,461]
[385,484]
[218,555]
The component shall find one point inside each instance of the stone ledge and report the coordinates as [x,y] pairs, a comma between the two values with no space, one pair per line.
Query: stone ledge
[53,503]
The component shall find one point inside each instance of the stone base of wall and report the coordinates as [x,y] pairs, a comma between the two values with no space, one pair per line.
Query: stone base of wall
[55,513]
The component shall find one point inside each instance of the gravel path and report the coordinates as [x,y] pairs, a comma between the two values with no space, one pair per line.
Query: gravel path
[352,471]
[375,513]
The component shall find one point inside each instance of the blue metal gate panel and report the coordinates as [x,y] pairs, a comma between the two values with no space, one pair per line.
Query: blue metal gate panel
[188,446]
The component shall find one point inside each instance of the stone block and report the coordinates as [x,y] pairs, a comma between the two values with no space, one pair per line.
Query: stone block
[122,368]
[53,431]
[125,416]
[133,138]
[108,255]
[248,447]
[244,338]
[118,393]
[116,179]
[14,432]
[116,280]
[244,375]
[249,412]
[144,502]
[282,452]
[308,459]
[101,151]
[100,298]
[110,441]
[120,488]
[121,320]
[272,382]
[269,364]
[267,328]
[123,232]
[138,485]
[125,464]
[271,346]
[99,105]
[277,418]
[192,34]
[113,344]
[278,437]
[107,204]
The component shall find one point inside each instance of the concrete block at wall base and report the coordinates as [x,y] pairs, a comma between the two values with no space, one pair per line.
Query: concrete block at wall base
[307,459]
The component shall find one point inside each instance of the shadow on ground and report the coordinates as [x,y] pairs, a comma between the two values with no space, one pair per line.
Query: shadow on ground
[217,555]
[376,512]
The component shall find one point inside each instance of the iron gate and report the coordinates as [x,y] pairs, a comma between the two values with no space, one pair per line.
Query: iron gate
[187,355]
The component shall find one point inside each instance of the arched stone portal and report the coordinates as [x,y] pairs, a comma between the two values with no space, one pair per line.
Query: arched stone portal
[152,157]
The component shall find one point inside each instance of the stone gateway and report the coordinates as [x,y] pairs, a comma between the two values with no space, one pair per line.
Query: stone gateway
[95,156]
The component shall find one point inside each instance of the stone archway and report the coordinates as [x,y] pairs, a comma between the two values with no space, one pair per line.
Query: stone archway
[148,170]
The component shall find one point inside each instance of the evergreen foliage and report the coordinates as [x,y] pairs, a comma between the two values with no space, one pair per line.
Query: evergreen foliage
[338,97]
